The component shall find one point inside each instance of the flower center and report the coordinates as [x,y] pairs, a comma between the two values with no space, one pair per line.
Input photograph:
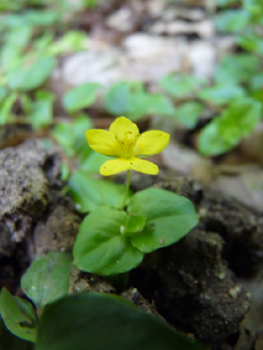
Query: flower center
[127,142]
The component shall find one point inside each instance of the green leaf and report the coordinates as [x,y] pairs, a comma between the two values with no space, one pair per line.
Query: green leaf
[47,278]
[71,136]
[169,218]
[73,40]
[100,321]
[188,113]
[256,81]
[179,86]
[225,2]
[89,193]
[102,247]
[159,104]
[18,316]
[134,224]
[225,132]
[3,93]
[30,75]
[237,68]
[42,114]
[80,97]
[11,342]
[127,98]
[131,99]
[42,17]
[232,21]
[251,42]
[117,98]
[6,108]
[222,94]
[19,36]
[10,57]
[93,162]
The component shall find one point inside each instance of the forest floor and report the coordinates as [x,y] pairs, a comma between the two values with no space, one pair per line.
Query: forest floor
[210,283]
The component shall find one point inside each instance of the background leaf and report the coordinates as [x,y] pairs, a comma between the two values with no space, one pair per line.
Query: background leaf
[42,113]
[188,113]
[11,342]
[224,132]
[80,97]
[20,322]
[131,99]
[47,278]
[232,21]
[71,136]
[222,93]
[237,68]
[30,74]
[6,108]
[179,86]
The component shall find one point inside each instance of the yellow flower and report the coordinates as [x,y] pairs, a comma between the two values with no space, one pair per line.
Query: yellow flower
[124,141]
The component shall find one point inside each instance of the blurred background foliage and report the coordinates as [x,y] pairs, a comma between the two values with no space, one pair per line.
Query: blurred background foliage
[36,34]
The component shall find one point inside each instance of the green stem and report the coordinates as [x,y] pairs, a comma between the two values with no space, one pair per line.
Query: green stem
[127,189]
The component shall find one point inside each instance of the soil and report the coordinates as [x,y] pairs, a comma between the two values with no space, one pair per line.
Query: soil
[200,285]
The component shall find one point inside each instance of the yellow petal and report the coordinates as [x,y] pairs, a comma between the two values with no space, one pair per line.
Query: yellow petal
[114,166]
[143,166]
[121,126]
[151,142]
[103,142]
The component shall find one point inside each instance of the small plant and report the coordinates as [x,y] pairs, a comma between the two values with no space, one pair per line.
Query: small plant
[115,236]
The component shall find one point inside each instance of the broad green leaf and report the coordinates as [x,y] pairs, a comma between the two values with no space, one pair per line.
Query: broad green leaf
[30,75]
[3,93]
[10,57]
[127,98]
[254,7]
[134,224]
[73,40]
[47,278]
[256,82]
[26,103]
[11,342]
[100,321]
[117,98]
[89,193]
[169,218]
[225,131]
[232,21]
[102,247]
[93,162]
[42,113]
[189,113]
[225,2]
[71,136]
[179,86]
[160,104]
[19,36]
[80,97]
[222,94]
[251,42]
[131,99]
[6,108]
[237,68]
[18,316]
[42,17]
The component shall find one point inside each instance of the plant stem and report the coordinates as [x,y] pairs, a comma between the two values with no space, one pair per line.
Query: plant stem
[127,189]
